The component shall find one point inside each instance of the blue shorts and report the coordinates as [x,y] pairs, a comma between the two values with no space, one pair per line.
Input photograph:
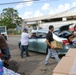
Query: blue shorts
[6,53]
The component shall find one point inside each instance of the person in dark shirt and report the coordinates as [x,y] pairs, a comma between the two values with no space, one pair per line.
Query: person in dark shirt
[49,39]
[72,37]
[4,48]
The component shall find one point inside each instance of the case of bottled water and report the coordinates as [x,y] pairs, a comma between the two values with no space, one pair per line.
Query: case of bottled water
[1,67]
[9,72]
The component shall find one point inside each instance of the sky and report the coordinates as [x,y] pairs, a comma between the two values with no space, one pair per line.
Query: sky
[39,8]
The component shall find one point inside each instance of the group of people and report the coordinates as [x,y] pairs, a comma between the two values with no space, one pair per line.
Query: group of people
[49,38]
[24,45]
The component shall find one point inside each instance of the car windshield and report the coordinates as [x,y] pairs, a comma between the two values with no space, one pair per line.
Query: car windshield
[2,29]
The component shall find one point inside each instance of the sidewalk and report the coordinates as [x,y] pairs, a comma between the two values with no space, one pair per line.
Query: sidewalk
[13,35]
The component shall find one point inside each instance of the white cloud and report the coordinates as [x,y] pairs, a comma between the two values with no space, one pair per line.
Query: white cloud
[51,12]
[38,13]
[28,2]
[20,5]
[46,6]
[63,7]
[27,14]
[60,8]
[74,4]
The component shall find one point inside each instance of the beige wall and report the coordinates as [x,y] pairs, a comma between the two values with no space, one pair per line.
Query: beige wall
[56,24]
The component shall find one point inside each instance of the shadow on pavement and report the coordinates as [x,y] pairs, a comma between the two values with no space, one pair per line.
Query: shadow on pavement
[23,67]
[13,65]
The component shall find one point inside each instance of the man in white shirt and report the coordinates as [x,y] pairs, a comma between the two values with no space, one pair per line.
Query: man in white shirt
[24,42]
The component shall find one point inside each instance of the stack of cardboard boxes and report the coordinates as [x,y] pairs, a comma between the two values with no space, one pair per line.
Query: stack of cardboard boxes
[67,65]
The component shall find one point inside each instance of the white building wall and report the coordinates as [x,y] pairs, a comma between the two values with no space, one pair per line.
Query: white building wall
[56,24]
[62,15]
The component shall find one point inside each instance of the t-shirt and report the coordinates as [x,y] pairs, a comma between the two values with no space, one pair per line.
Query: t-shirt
[3,43]
[49,37]
[24,38]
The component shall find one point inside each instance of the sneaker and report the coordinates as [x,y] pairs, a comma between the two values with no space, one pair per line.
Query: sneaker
[46,64]
[27,55]
[21,56]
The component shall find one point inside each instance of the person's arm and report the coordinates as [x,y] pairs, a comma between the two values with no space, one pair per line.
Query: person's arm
[50,44]
[71,38]
[30,35]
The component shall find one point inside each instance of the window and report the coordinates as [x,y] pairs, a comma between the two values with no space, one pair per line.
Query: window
[56,32]
[41,35]
[34,36]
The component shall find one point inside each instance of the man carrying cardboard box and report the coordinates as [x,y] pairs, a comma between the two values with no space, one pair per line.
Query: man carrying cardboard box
[49,39]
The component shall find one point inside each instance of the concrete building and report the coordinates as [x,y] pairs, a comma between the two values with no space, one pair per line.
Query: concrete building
[57,20]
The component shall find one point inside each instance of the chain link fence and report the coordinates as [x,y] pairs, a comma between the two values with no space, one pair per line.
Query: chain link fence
[13,32]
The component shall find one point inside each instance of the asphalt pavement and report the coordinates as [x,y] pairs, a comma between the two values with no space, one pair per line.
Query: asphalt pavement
[33,65]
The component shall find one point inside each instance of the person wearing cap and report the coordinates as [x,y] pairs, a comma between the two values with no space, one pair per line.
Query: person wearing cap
[24,42]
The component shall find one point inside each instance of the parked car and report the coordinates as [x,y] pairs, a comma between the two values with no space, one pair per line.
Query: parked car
[37,42]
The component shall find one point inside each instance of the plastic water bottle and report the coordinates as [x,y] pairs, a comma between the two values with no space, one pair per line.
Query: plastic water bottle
[1,67]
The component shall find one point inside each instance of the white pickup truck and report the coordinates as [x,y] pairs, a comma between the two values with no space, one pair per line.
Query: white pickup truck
[3,31]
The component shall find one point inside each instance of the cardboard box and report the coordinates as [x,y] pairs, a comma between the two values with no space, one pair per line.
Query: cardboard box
[71,38]
[71,52]
[66,66]
[57,44]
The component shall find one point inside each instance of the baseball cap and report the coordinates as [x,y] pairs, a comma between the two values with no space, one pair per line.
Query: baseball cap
[25,29]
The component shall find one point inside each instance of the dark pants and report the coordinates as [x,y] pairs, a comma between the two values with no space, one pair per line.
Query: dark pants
[6,53]
[24,48]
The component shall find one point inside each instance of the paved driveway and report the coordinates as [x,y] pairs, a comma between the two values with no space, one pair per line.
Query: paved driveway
[33,65]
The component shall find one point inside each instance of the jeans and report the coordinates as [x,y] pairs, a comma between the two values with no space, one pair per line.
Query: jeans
[24,48]
[6,52]
[54,53]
